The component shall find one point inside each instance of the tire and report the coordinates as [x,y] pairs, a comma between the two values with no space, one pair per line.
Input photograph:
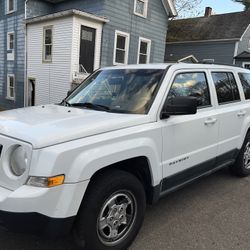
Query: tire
[113,206]
[241,166]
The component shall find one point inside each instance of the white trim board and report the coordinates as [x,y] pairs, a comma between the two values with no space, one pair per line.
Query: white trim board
[205,41]
[66,13]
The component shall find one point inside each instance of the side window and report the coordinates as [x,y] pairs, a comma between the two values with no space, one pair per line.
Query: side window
[10,4]
[10,41]
[47,44]
[245,81]
[10,87]
[246,65]
[141,8]
[144,51]
[191,84]
[226,87]
[10,46]
[121,48]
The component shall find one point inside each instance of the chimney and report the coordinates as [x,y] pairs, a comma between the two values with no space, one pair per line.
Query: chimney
[208,11]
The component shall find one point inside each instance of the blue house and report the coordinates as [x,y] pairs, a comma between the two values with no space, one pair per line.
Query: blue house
[221,38]
[49,46]
[12,53]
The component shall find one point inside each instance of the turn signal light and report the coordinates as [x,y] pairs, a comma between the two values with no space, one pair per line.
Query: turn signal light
[56,181]
[46,182]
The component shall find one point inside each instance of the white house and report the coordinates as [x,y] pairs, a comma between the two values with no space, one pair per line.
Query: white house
[53,64]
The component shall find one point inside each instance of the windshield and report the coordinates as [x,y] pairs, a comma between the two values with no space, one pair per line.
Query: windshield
[118,90]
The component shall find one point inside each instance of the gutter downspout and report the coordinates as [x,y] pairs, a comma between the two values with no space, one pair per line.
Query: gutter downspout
[26,59]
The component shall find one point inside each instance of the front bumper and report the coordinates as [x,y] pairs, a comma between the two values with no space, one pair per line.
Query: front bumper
[41,210]
[36,224]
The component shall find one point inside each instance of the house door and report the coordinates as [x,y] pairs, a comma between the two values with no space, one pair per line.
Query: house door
[87,48]
[31,92]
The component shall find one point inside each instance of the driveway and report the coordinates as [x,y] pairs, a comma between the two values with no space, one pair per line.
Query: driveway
[213,213]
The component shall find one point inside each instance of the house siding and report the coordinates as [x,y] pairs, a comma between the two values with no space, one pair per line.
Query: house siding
[12,23]
[38,8]
[122,18]
[53,80]
[91,6]
[221,52]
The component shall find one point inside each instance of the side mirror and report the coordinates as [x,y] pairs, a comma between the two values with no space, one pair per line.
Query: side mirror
[182,105]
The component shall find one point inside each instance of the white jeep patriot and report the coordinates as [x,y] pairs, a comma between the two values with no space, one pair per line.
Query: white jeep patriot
[125,137]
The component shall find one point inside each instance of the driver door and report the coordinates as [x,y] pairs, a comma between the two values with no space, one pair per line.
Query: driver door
[190,142]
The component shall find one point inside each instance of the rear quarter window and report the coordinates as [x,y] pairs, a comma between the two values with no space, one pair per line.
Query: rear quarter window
[245,81]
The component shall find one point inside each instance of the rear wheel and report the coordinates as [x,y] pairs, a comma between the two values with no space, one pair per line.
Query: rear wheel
[111,213]
[242,165]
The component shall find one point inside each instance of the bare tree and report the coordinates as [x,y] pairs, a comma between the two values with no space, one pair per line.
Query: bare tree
[246,3]
[188,8]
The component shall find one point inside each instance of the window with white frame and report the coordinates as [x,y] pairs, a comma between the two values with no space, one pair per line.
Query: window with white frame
[10,40]
[246,65]
[11,86]
[144,50]
[10,6]
[10,46]
[141,8]
[47,44]
[121,48]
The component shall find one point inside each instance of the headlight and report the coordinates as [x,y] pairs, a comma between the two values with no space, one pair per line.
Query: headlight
[18,161]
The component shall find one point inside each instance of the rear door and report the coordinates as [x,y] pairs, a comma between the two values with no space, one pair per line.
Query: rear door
[231,113]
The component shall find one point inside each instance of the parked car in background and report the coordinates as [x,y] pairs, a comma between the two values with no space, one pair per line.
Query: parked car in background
[124,138]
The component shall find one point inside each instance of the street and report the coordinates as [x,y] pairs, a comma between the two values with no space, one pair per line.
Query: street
[212,213]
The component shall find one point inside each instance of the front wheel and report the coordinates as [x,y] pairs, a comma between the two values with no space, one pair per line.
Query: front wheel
[241,167]
[111,213]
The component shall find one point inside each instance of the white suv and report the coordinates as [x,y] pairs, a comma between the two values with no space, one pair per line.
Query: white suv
[128,135]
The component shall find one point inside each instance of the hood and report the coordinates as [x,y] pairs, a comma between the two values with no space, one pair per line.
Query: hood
[48,125]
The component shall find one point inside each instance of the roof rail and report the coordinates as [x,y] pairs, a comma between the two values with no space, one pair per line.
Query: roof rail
[213,63]
[222,64]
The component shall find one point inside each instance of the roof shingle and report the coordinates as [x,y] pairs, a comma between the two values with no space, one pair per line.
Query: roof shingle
[215,27]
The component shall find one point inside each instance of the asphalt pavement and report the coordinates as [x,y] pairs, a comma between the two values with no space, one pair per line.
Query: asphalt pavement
[212,213]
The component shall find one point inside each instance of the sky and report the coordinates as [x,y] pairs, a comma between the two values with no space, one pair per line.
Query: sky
[222,6]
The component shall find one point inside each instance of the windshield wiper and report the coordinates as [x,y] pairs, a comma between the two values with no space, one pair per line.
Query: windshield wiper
[90,105]
[65,103]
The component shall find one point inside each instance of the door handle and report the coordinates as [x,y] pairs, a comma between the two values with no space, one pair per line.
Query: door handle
[210,121]
[241,113]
